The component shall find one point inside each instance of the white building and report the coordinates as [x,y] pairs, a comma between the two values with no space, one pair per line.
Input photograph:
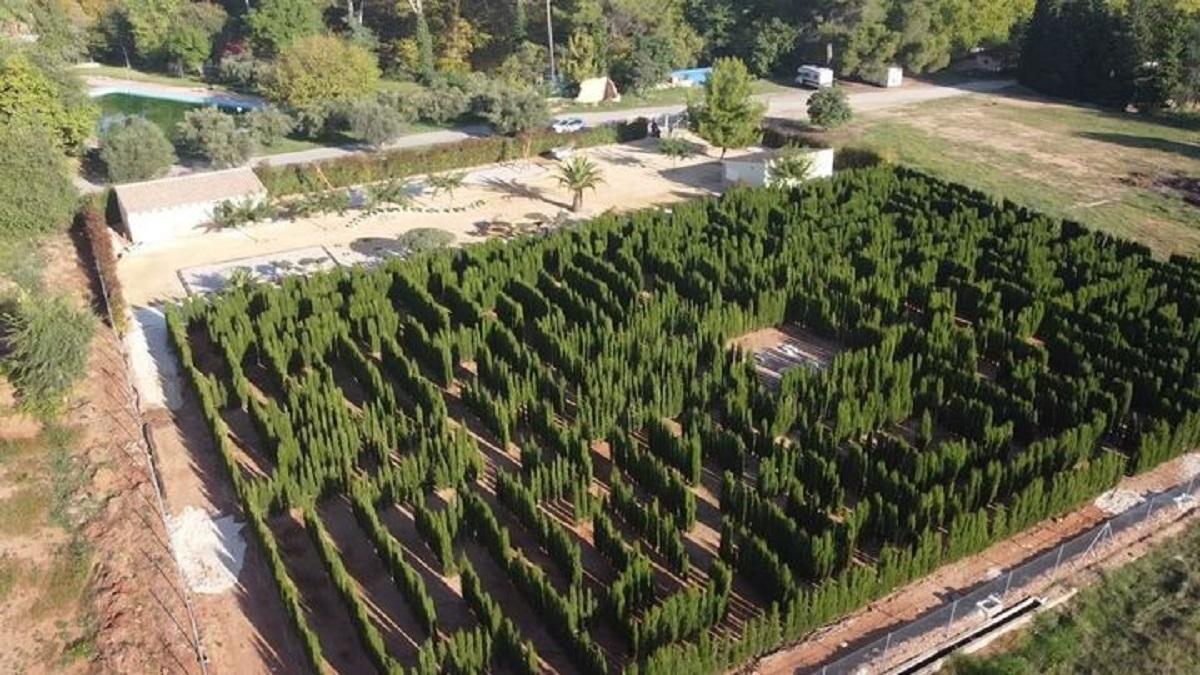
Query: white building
[169,208]
[754,169]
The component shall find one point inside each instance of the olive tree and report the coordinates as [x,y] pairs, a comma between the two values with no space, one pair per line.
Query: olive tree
[215,137]
[375,123]
[134,148]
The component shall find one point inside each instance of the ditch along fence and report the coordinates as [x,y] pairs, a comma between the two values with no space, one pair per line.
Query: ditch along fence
[115,312]
[1080,550]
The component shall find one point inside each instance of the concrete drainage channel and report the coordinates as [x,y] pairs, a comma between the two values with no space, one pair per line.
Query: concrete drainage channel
[989,597]
[978,638]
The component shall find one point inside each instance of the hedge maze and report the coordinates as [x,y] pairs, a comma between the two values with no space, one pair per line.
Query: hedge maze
[552,452]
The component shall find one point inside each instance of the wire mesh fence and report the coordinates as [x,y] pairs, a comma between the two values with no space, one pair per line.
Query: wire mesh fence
[975,606]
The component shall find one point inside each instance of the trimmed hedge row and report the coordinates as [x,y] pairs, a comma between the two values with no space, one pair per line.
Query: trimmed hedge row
[405,162]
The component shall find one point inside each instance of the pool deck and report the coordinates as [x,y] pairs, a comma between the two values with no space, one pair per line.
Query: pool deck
[102,86]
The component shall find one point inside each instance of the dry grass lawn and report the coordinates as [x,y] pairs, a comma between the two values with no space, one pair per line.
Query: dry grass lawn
[1103,168]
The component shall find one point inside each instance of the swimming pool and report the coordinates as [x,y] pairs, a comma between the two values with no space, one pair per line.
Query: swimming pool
[164,110]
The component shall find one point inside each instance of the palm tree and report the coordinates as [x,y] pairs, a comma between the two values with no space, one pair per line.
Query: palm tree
[446,182]
[578,174]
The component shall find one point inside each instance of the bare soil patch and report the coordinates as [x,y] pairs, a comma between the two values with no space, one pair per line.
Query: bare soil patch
[1177,185]
[778,350]
[389,610]
[323,608]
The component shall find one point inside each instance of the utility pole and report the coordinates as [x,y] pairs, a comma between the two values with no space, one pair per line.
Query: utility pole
[550,44]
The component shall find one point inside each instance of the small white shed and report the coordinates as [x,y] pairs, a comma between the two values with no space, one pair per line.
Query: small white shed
[754,169]
[169,208]
[597,90]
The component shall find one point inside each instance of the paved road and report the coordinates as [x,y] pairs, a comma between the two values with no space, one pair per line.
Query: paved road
[1045,565]
[411,141]
[790,104]
[793,103]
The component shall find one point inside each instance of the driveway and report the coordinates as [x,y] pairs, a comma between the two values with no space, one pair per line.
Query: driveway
[793,104]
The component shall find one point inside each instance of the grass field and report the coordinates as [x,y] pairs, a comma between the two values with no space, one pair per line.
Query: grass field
[120,73]
[1141,618]
[45,559]
[1102,168]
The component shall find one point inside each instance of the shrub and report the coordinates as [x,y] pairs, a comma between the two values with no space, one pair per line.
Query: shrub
[375,123]
[829,108]
[513,111]
[269,125]
[215,137]
[525,66]
[36,193]
[425,239]
[442,103]
[32,94]
[791,169]
[100,239]
[48,342]
[856,157]
[243,71]
[134,148]
[239,213]
[678,148]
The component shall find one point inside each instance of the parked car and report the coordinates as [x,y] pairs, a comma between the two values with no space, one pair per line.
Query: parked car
[567,125]
[814,76]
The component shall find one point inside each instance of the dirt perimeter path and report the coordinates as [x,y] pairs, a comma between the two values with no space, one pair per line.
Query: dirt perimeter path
[826,647]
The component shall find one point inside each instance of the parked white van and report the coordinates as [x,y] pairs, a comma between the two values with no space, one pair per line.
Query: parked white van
[814,76]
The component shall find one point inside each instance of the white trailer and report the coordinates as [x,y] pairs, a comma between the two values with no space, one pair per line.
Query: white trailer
[814,77]
[886,77]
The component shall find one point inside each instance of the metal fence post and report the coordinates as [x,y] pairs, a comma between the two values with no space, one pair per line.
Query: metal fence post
[953,609]
[1149,508]
[887,644]
[1007,583]
[1057,560]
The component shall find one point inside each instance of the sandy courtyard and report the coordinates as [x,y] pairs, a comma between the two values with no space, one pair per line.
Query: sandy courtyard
[495,199]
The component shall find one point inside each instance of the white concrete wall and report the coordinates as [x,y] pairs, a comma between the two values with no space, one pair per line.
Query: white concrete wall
[749,173]
[822,166]
[756,173]
[186,220]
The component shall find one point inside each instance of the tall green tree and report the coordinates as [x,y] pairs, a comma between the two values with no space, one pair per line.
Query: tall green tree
[426,65]
[275,24]
[1159,31]
[191,42]
[151,23]
[322,69]
[728,116]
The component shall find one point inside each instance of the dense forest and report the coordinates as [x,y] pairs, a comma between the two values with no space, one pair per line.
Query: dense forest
[1144,53]
[566,414]
[634,41]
